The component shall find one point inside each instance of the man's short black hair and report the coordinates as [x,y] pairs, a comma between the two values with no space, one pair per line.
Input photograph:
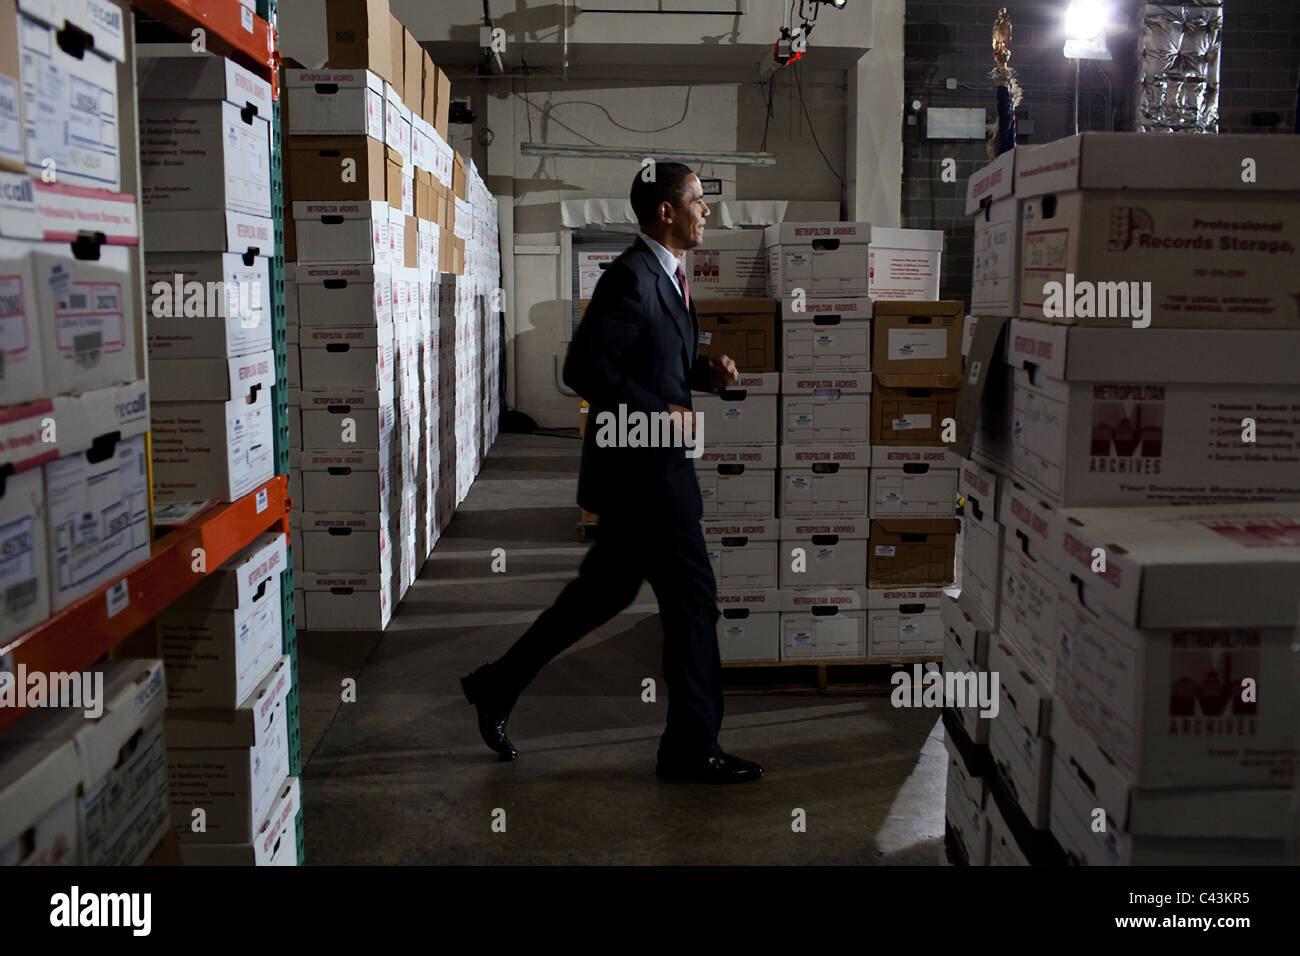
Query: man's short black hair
[657,183]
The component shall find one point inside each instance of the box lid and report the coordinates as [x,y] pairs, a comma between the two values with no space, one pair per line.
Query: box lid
[825,311]
[372,459]
[342,338]
[886,456]
[845,383]
[34,776]
[751,383]
[848,527]
[237,582]
[928,240]
[806,233]
[241,727]
[846,455]
[932,598]
[135,695]
[974,481]
[211,230]
[753,529]
[202,77]
[326,81]
[330,213]
[1203,566]
[925,526]
[991,182]
[750,306]
[341,581]
[806,599]
[342,521]
[731,239]
[212,379]
[751,456]
[1033,523]
[919,381]
[755,600]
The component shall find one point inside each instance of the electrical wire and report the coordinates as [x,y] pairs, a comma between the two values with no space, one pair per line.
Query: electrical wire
[812,129]
[613,122]
[528,106]
[767,119]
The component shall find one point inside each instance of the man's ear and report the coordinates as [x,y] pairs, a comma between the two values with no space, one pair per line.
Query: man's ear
[668,215]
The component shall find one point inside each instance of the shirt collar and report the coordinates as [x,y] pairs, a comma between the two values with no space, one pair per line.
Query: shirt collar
[666,259]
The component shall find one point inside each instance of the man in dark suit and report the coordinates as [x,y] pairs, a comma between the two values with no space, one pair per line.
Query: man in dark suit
[635,352]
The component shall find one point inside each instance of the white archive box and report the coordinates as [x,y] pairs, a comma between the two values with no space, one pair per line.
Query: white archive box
[1201,826]
[744,414]
[331,416]
[97,504]
[821,258]
[202,77]
[38,801]
[726,264]
[24,561]
[743,552]
[208,304]
[70,101]
[964,808]
[347,600]
[825,480]
[995,267]
[983,535]
[834,552]
[343,357]
[344,480]
[292,357]
[749,625]
[1031,559]
[22,360]
[204,155]
[905,622]
[291,294]
[1003,848]
[826,335]
[347,541]
[335,103]
[397,123]
[274,844]
[208,230]
[955,661]
[917,482]
[1176,215]
[343,233]
[904,264]
[343,295]
[1155,650]
[230,763]
[1018,736]
[964,640]
[212,425]
[1110,417]
[823,624]
[737,482]
[825,407]
[224,636]
[87,316]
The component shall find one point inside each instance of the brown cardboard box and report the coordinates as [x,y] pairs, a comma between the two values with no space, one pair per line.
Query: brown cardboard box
[411,248]
[447,205]
[290,236]
[910,409]
[458,264]
[392,177]
[458,174]
[316,167]
[442,103]
[412,71]
[916,338]
[425,200]
[744,329]
[13,148]
[904,552]
[359,36]
[428,88]
[397,48]
[444,254]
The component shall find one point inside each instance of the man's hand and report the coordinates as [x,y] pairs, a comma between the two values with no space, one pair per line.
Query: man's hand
[724,371]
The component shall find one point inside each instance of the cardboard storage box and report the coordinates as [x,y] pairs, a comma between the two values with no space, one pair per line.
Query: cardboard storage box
[397,124]
[1111,218]
[744,414]
[820,407]
[343,295]
[343,233]
[209,230]
[819,258]
[744,329]
[87,315]
[38,802]
[203,77]
[749,628]
[224,636]
[24,562]
[360,480]
[347,600]
[731,264]
[332,102]
[826,335]
[205,155]
[1198,826]
[904,622]
[913,482]
[442,105]
[208,304]
[904,264]
[1018,735]
[330,416]
[995,268]
[1031,559]
[737,482]
[347,358]
[98,511]
[744,554]
[316,165]
[823,624]
[359,36]
[964,808]
[1111,417]
[964,639]
[274,844]
[955,662]
[13,134]
[825,480]
[21,350]
[347,541]
[834,552]
[982,543]
[229,764]
[1155,649]
[911,552]
[213,433]
[913,409]
[1003,848]
[985,405]
[916,338]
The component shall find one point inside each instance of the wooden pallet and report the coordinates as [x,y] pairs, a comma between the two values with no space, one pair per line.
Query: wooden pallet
[849,675]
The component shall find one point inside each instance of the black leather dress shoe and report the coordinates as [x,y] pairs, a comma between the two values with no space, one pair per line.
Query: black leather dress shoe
[491,719]
[719,768]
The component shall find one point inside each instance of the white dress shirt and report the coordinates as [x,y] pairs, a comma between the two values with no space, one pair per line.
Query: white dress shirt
[666,259]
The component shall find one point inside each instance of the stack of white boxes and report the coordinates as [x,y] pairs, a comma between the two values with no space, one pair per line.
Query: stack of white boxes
[1131,567]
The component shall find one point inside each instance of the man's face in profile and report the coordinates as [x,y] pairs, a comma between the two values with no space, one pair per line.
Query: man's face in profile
[688,215]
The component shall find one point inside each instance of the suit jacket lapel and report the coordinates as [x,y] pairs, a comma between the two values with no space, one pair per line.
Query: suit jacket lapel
[683,320]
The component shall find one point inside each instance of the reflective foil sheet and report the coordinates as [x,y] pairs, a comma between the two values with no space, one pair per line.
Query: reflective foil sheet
[1178,67]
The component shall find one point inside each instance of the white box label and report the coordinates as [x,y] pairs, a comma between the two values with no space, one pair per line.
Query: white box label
[118,597]
[884,550]
[918,344]
[262,500]
[908,422]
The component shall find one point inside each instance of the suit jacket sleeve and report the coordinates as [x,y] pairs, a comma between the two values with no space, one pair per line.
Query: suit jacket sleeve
[701,377]
[596,364]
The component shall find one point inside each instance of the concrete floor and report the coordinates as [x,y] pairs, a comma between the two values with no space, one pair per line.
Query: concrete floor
[400,776]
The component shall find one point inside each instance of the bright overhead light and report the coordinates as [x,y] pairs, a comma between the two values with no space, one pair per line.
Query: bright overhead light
[1085,19]
[700,156]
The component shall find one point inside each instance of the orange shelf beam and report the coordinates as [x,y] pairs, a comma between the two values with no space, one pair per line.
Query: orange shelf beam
[232,30]
[83,632]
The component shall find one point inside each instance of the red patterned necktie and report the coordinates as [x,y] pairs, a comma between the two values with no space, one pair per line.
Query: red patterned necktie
[686,290]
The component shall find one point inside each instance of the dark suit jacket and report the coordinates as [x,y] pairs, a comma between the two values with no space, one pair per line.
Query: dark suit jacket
[637,345]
